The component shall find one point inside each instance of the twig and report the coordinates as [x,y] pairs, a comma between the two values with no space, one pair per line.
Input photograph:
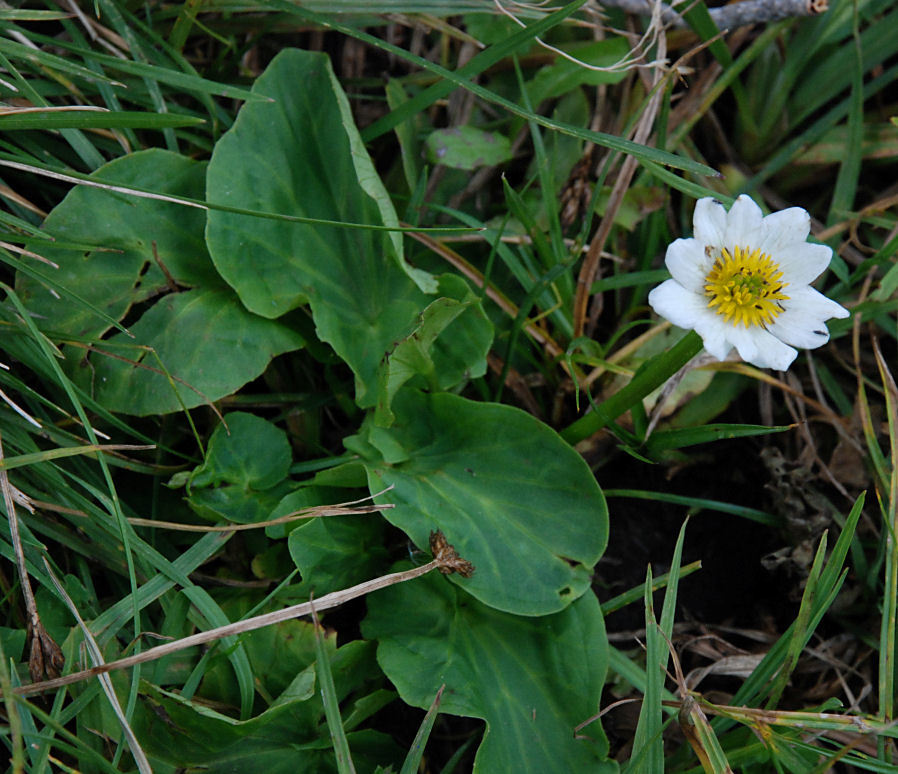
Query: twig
[730,16]
[45,657]
[446,560]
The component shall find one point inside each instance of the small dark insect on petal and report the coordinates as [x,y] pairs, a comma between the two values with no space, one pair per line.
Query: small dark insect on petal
[820,333]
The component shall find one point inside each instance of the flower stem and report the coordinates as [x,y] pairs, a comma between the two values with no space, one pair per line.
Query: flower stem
[650,375]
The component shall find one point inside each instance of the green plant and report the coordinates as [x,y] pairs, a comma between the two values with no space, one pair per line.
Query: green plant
[262,360]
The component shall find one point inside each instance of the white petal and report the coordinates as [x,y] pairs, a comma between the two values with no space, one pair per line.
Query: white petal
[709,222]
[783,229]
[799,329]
[688,263]
[760,348]
[713,330]
[743,224]
[814,304]
[801,264]
[673,302]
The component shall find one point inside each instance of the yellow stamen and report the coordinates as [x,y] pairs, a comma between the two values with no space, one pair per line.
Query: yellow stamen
[745,287]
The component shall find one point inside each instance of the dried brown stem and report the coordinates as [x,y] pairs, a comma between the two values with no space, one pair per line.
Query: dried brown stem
[45,657]
[446,560]
[590,268]
[349,508]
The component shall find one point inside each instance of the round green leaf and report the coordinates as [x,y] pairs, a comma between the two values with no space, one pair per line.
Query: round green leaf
[466,147]
[247,451]
[244,475]
[531,679]
[134,238]
[506,491]
[205,339]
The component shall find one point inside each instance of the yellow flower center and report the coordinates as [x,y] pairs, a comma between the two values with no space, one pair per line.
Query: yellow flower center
[745,287]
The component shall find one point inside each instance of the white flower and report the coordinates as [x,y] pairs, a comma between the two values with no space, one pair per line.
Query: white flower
[743,281]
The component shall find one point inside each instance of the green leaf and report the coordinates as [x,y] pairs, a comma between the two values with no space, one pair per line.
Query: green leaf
[466,147]
[285,739]
[243,477]
[185,82]
[247,451]
[460,353]
[411,356]
[281,656]
[648,746]
[308,495]
[531,679]
[335,552]
[134,238]
[412,762]
[370,182]
[506,491]
[299,155]
[406,133]
[205,340]
[332,705]
[13,641]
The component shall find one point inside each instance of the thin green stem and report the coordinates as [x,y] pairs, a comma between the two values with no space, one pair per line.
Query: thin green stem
[650,376]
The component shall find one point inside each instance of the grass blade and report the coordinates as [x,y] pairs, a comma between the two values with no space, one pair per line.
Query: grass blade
[888,657]
[413,760]
[641,152]
[331,703]
[648,746]
[850,168]
[94,119]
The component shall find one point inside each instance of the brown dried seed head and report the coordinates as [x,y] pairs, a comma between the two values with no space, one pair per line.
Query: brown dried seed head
[447,557]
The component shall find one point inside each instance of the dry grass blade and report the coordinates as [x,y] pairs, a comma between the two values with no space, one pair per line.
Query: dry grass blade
[104,186]
[349,508]
[45,657]
[140,758]
[446,561]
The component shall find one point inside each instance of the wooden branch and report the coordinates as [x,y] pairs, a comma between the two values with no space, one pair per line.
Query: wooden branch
[730,16]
